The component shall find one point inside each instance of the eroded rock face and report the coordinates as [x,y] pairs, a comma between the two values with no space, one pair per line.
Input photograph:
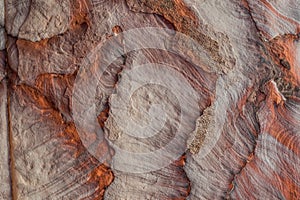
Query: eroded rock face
[36,20]
[5,190]
[168,183]
[2,24]
[273,18]
[2,38]
[53,162]
[164,99]
[276,146]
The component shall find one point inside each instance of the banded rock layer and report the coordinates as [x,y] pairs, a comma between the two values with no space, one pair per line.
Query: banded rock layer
[166,99]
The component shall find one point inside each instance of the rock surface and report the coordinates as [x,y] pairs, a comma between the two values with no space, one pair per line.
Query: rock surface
[149,99]
[2,24]
[5,176]
[52,163]
[36,20]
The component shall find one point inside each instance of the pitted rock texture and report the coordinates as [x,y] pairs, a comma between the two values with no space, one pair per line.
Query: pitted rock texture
[227,96]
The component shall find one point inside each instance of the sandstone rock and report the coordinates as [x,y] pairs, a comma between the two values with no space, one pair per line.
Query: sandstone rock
[50,161]
[16,13]
[45,20]
[13,54]
[2,38]
[5,168]
[168,183]
[3,65]
[100,101]
[2,24]
[36,20]
[274,18]
[2,15]
[273,171]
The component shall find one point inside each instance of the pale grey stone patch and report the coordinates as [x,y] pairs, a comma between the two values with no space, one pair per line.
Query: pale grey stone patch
[2,13]
[16,12]
[2,38]
[36,20]
[5,189]
[46,19]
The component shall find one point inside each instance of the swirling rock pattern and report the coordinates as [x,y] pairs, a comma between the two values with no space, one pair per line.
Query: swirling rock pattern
[273,18]
[229,105]
[44,171]
[277,144]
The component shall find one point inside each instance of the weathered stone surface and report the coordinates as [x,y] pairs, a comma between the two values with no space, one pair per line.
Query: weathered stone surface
[285,55]
[273,171]
[5,177]
[49,60]
[184,20]
[168,183]
[2,13]
[226,97]
[2,38]
[126,136]
[63,54]
[274,18]
[45,19]
[211,171]
[13,54]
[50,161]
[2,24]
[16,13]
[37,20]
[237,144]
[58,90]
[3,65]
